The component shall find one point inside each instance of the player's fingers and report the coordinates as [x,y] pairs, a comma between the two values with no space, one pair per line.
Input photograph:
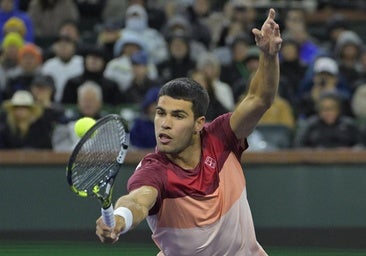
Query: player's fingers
[271,14]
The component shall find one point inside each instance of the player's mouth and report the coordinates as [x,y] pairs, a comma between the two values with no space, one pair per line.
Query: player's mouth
[164,138]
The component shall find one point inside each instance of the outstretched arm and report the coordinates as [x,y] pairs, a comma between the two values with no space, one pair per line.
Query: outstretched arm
[138,202]
[263,86]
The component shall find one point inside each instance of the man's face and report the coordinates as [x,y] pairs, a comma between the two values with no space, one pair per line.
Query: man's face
[329,111]
[174,125]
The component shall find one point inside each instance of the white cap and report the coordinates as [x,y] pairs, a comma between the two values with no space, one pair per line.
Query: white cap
[326,64]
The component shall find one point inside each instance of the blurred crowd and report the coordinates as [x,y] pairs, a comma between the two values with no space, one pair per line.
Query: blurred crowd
[65,59]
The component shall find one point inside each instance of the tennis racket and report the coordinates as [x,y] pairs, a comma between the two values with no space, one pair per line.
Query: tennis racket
[95,161]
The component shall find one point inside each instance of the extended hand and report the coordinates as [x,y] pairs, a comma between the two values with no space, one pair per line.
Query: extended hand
[268,39]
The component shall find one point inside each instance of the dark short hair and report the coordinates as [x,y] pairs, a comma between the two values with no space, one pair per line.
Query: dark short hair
[187,89]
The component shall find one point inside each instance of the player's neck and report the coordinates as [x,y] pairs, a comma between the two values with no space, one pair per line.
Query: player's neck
[190,157]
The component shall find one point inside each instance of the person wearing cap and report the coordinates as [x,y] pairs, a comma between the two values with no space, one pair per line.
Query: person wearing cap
[94,66]
[65,65]
[10,47]
[10,9]
[136,21]
[347,52]
[14,24]
[43,90]
[119,68]
[141,82]
[325,78]
[23,125]
[29,65]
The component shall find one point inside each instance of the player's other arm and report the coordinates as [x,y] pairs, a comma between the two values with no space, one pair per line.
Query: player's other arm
[138,202]
[264,84]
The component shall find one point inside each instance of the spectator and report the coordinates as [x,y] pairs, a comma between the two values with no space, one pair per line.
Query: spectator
[108,34]
[215,107]
[16,25]
[94,65]
[43,91]
[9,9]
[136,22]
[29,65]
[10,48]
[141,83]
[329,128]
[119,69]
[209,65]
[242,18]
[348,50]
[236,73]
[57,11]
[195,14]
[117,9]
[65,65]
[296,29]
[179,62]
[325,77]
[90,104]
[23,125]
[333,28]
[179,25]
[142,134]
[292,72]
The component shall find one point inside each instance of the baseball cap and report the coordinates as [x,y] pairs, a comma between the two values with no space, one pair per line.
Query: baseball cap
[326,65]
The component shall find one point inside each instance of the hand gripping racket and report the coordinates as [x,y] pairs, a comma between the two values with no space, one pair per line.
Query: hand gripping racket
[96,159]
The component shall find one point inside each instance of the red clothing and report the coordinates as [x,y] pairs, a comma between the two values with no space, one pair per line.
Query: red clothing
[203,211]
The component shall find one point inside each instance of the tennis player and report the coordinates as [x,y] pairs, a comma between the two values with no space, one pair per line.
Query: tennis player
[192,189]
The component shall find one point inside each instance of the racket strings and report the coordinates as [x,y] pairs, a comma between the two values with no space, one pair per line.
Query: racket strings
[94,164]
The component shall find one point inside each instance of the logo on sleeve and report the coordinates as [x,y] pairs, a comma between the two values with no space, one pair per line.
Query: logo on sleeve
[210,162]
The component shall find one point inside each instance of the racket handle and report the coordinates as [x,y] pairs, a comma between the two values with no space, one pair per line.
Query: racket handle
[108,216]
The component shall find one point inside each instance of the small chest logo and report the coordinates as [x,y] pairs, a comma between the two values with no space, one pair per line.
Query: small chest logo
[210,162]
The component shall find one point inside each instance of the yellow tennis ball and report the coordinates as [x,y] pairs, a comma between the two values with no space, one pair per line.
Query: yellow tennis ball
[83,125]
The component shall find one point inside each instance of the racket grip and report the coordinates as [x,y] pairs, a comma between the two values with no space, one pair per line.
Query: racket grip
[108,216]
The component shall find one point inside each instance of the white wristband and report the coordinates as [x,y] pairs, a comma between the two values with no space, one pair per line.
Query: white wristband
[127,215]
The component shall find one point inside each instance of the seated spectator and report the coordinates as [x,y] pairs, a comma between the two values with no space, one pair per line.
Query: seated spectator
[141,82]
[215,107]
[21,76]
[179,62]
[347,52]
[16,25]
[9,9]
[292,71]
[90,104]
[142,135]
[42,12]
[325,78]
[23,125]
[179,25]
[236,72]
[136,21]
[329,128]
[43,90]
[65,65]
[94,66]
[9,51]
[108,34]
[119,69]
[209,65]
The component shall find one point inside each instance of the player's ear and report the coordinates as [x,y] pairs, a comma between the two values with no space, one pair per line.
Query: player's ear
[200,122]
